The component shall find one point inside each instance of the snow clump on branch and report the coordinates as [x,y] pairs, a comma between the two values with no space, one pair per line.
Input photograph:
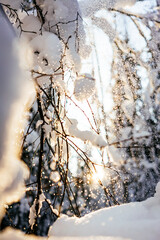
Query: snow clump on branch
[84,87]
[31,27]
[47,50]
[90,136]
[64,19]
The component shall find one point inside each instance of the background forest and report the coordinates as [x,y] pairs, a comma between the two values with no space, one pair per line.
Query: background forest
[92,134]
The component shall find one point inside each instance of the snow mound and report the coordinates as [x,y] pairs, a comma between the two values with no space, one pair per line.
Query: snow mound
[136,221]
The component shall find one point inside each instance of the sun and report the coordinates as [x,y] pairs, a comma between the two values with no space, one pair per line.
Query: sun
[98,174]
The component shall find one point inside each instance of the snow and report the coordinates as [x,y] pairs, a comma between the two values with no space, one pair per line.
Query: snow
[136,221]
[39,123]
[14,4]
[128,108]
[53,165]
[11,234]
[64,19]
[60,84]
[124,3]
[31,27]
[47,129]
[47,49]
[32,213]
[55,11]
[94,138]
[54,176]
[84,87]
[114,154]
[12,170]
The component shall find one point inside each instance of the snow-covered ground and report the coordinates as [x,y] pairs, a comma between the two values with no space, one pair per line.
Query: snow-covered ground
[132,221]
[10,234]
[136,221]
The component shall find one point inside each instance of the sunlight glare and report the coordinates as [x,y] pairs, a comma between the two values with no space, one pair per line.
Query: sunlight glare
[98,174]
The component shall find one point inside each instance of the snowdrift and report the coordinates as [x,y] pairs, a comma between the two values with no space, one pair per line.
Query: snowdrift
[136,221]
